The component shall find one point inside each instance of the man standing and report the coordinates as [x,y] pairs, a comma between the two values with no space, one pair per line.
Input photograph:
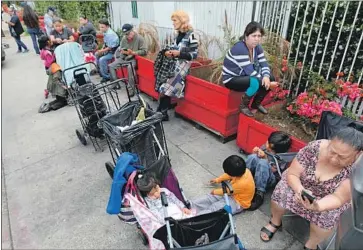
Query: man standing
[111,42]
[16,29]
[131,44]
[48,20]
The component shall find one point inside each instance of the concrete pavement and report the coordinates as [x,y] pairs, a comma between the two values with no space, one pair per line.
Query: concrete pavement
[55,190]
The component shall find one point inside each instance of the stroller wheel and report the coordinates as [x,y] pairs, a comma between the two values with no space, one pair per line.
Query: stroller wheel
[143,237]
[81,137]
[110,168]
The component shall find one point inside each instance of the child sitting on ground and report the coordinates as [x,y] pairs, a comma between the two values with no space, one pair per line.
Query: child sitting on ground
[151,191]
[54,85]
[263,167]
[242,183]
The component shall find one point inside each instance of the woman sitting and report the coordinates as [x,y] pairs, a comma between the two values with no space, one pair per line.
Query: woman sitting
[245,69]
[60,34]
[316,186]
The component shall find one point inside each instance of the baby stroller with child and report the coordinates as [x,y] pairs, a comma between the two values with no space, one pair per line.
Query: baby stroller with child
[208,231]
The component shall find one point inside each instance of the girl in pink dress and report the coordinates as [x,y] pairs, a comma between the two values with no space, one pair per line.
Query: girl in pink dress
[47,55]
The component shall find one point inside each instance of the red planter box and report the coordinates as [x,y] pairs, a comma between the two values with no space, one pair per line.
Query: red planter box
[122,73]
[146,78]
[212,106]
[145,73]
[252,133]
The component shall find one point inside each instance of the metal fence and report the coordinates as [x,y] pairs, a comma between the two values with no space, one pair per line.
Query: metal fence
[324,37]
[310,26]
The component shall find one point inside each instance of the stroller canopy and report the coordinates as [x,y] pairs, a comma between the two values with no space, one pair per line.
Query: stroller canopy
[70,55]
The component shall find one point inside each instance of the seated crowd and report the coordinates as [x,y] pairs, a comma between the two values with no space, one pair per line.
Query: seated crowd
[320,170]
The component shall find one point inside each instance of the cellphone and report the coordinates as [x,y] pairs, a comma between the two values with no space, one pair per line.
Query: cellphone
[308,196]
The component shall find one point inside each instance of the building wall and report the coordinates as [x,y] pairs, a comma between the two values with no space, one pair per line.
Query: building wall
[205,16]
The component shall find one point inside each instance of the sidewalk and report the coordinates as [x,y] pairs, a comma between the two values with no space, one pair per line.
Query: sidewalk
[57,190]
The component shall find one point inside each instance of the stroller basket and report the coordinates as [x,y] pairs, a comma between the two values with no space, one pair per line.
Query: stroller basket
[145,138]
[186,232]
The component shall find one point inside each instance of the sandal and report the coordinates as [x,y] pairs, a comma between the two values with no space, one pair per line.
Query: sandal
[268,232]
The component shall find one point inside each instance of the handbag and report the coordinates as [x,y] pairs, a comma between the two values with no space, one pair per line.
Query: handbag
[126,214]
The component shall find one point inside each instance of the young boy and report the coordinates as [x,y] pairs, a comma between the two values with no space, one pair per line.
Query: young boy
[242,183]
[262,166]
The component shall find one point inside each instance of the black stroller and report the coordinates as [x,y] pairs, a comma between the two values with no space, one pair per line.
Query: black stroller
[88,43]
[146,137]
[92,102]
[208,231]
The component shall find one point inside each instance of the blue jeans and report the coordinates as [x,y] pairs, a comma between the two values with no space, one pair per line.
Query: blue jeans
[261,170]
[20,43]
[34,32]
[102,63]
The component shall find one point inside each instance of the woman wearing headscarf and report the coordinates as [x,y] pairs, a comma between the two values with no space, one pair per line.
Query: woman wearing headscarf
[171,82]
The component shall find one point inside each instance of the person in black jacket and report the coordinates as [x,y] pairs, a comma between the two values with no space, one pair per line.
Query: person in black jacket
[87,28]
[16,29]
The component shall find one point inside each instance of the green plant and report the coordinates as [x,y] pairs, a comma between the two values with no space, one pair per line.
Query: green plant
[324,43]
[275,49]
[223,45]
[71,10]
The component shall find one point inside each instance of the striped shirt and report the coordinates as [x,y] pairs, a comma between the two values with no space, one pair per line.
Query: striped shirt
[237,63]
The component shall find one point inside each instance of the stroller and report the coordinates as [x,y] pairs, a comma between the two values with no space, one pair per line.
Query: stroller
[218,227]
[88,43]
[92,102]
[134,128]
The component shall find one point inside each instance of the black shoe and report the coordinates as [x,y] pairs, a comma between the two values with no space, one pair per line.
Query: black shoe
[244,106]
[165,116]
[258,100]
[257,200]
[261,109]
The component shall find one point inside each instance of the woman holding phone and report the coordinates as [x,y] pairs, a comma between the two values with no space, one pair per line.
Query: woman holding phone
[317,186]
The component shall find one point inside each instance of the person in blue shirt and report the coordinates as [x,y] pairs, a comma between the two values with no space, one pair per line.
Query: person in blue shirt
[104,55]
[245,69]
[48,20]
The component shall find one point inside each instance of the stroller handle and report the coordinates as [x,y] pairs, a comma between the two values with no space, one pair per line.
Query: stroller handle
[77,66]
[164,200]
[225,186]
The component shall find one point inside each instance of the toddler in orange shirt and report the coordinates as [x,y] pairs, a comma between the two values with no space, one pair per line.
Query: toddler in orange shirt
[242,183]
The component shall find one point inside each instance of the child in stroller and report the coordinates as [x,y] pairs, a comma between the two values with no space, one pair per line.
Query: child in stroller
[150,190]
[242,183]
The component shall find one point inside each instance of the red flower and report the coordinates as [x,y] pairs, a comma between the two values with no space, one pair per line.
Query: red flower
[284,69]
